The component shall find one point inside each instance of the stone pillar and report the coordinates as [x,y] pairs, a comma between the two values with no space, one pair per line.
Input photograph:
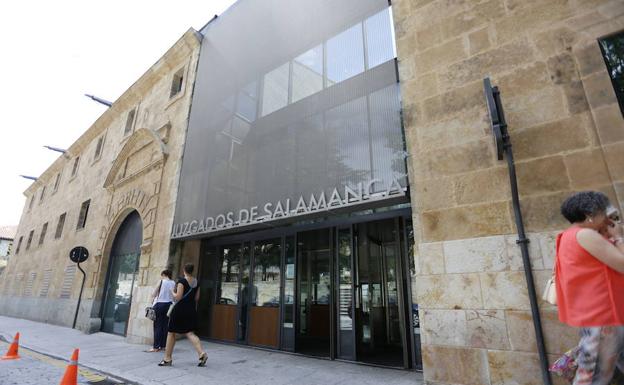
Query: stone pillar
[568,135]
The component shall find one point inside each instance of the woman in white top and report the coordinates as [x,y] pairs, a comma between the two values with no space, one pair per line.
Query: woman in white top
[162,297]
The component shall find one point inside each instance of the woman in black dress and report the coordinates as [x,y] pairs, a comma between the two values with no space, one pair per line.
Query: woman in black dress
[183,318]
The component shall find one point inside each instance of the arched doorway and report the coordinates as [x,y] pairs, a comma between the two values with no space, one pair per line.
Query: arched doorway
[122,272]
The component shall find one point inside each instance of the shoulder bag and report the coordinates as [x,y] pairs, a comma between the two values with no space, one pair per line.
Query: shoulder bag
[170,310]
[550,291]
[150,313]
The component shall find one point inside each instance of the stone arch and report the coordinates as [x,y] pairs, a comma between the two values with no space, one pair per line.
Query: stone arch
[142,140]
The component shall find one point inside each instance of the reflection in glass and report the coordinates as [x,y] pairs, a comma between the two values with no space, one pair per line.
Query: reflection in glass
[345,294]
[123,272]
[275,92]
[613,54]
[345,55]
[228,289]
[248,293]
[379,38]
[307,76]
[264,294]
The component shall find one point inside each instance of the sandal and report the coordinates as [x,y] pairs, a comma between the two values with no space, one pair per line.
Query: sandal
[202,359]
[165,363]
[153,350]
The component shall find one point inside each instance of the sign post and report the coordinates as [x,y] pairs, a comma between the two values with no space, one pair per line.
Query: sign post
[77,255]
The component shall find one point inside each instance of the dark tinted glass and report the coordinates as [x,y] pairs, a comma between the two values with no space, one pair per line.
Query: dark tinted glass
[613,53]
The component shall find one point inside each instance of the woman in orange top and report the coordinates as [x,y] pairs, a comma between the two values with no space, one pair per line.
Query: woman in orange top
[589,271]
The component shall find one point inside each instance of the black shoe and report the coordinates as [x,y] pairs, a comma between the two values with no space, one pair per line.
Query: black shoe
[165,363]
[202,359]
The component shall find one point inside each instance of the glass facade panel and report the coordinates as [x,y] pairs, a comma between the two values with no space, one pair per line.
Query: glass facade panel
[379,38]
[307,76]
[288,118]
[275,95]
[345,295]
[345,55]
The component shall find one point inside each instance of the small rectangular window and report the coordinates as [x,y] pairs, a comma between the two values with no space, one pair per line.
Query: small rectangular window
[84,211]
[19,245]
[42,194]
[613,54]
[32,201]
[130,121]
[30,237]
[177,83]
[57,181]
[59,226]
[44,230]
[75,167]
[98,148]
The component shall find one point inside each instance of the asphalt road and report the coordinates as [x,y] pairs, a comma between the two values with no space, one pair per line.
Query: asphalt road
[33,368]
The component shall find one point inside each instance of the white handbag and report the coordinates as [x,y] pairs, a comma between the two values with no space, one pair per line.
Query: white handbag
[550,292]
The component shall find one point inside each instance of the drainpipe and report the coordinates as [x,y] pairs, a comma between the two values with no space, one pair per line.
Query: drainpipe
[503,147]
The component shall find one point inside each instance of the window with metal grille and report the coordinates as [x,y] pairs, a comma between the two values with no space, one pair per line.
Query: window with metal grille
[19,245]
[130,121]
[98,148]
[613,54]
[45,283]
[177,83]
[29,284]
[30,237]
[44,230]
[43,189]
[57,181]
[84,211]
[59,226]
[75,168]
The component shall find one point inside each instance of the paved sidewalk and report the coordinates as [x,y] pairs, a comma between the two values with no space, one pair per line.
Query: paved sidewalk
[227,364]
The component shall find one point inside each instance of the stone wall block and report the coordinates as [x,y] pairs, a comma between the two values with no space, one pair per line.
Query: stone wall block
[599,89]
[589,59]
[487,329]
[587,169]
[420,88]
[479,41]
[514,252]
[609,123]
[520,368]
[481,186]
[542,176]
[562,68]
[430,259]
[524,80]
[435,193]
[473,125]
[504,290]
[444,327]
[551,138]
[575,97]
[558,337]
[469,366]
[547,243]
[466,222]
[541,106]
[435,57]
[614,155]
[460,159]
[476,255]
[556,40]
[541,213]
[503,58]
[532,18]
[449,291]
[480,14]
[454,103]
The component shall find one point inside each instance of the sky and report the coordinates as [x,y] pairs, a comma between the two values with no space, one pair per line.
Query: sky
[54,52]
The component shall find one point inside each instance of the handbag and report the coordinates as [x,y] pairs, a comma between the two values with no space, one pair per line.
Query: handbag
[150,313]
[170,310]
[550,291]
[566,365]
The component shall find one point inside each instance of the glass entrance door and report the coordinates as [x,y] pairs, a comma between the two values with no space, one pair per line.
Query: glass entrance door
[224,312]
[263,293]
[379,324]
[313,326]
[122,274]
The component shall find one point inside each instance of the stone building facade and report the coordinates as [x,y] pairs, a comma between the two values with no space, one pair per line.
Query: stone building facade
[125,162]
[567,133]
[468,281]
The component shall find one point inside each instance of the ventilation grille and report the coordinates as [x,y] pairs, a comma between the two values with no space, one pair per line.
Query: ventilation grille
[29,284]
[45,283]
[68,281]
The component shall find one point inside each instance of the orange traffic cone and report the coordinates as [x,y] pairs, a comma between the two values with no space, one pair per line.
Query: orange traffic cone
[11,354]
[71,373]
